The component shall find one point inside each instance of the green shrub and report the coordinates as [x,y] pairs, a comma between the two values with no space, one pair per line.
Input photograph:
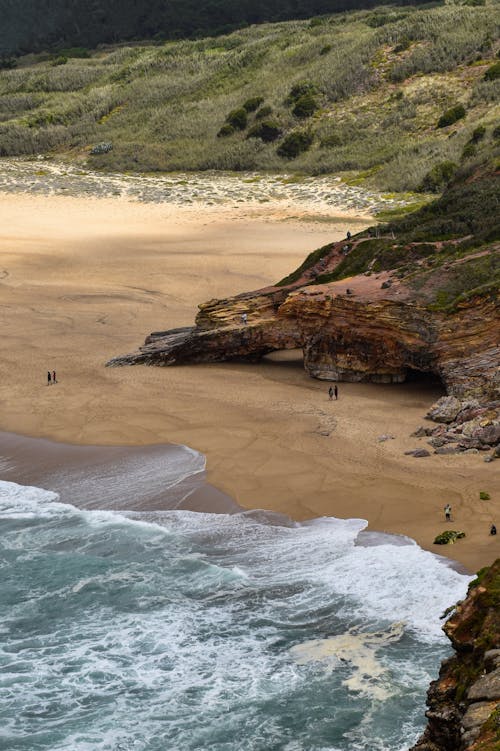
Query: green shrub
[493,72]
[61,60]
[238,119]
[496,132]
[478,134]
[263,112]
[310,261]
[438,177]
[448,537]
[469,150]
[484,496]
[299,89]
[295,143]
[305,106]
[266,130]
[403,45]
[253,103]
[452,115]
[326,49]
[8,63]
[226,130]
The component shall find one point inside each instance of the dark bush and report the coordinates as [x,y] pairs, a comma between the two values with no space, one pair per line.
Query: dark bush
[226,130]
[326,49]
[469,150]
[295,143]
[266,130]
[253,103]
[478,134]
[451,116]
[438,177]
[299,89]
[238,119]
[8,63]
[263,112]
[305,106]
[403,45]
[496,132]
[493,72]
[61,60]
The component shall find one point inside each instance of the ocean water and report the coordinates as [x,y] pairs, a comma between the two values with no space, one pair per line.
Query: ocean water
[176,630]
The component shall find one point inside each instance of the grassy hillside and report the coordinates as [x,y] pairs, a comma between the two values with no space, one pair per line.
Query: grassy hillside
[447,252]
[400,98]
[34,25]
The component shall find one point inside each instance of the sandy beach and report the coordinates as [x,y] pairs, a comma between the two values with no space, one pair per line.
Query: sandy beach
[85,279]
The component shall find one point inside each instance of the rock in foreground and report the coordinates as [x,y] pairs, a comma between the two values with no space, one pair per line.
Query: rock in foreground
[464,703]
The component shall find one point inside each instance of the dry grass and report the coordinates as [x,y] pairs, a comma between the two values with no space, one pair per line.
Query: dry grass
[382,78]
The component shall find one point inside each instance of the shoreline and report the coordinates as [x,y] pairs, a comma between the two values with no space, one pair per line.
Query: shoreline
[120,474]
[83,281]
[73,471]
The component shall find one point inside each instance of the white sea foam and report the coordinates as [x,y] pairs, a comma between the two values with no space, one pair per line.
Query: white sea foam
[191,631]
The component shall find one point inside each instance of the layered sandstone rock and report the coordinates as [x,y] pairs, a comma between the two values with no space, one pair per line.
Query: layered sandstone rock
[371,327]
[464,703]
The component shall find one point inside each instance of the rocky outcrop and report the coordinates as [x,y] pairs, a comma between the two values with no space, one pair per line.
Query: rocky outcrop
[467,425]
[369,327]
[464,703]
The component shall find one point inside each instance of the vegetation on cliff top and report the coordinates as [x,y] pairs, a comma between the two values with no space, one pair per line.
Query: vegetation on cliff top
[447,252]
[478,628]
[359,91]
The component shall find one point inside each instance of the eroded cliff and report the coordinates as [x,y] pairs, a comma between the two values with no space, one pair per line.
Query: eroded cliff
[371,326]
[376,307]
[464,702]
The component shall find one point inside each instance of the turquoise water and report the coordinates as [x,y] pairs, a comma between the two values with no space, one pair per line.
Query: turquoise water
[159,631]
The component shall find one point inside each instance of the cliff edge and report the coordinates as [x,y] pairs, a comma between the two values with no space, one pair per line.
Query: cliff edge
[417,296]
[464,702]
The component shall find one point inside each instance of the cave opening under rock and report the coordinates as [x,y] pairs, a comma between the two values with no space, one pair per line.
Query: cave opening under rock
[286,358]
[424,377]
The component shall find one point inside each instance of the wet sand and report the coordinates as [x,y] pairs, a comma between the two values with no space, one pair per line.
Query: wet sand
[82,280]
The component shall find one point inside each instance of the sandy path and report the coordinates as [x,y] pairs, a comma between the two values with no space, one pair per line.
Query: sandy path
[82,280]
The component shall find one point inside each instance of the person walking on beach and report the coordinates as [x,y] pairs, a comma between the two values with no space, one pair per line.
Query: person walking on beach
[447,512]
[330,392]
[244,319]
[493,530]
[336,392]
[54,376]
[348,235]
[49,378]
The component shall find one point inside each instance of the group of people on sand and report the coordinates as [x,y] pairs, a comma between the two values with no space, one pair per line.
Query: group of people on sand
[51,377]
[333,391]
[447,516]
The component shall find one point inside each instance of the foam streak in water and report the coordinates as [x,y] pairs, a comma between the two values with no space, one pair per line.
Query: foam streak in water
[186,631]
